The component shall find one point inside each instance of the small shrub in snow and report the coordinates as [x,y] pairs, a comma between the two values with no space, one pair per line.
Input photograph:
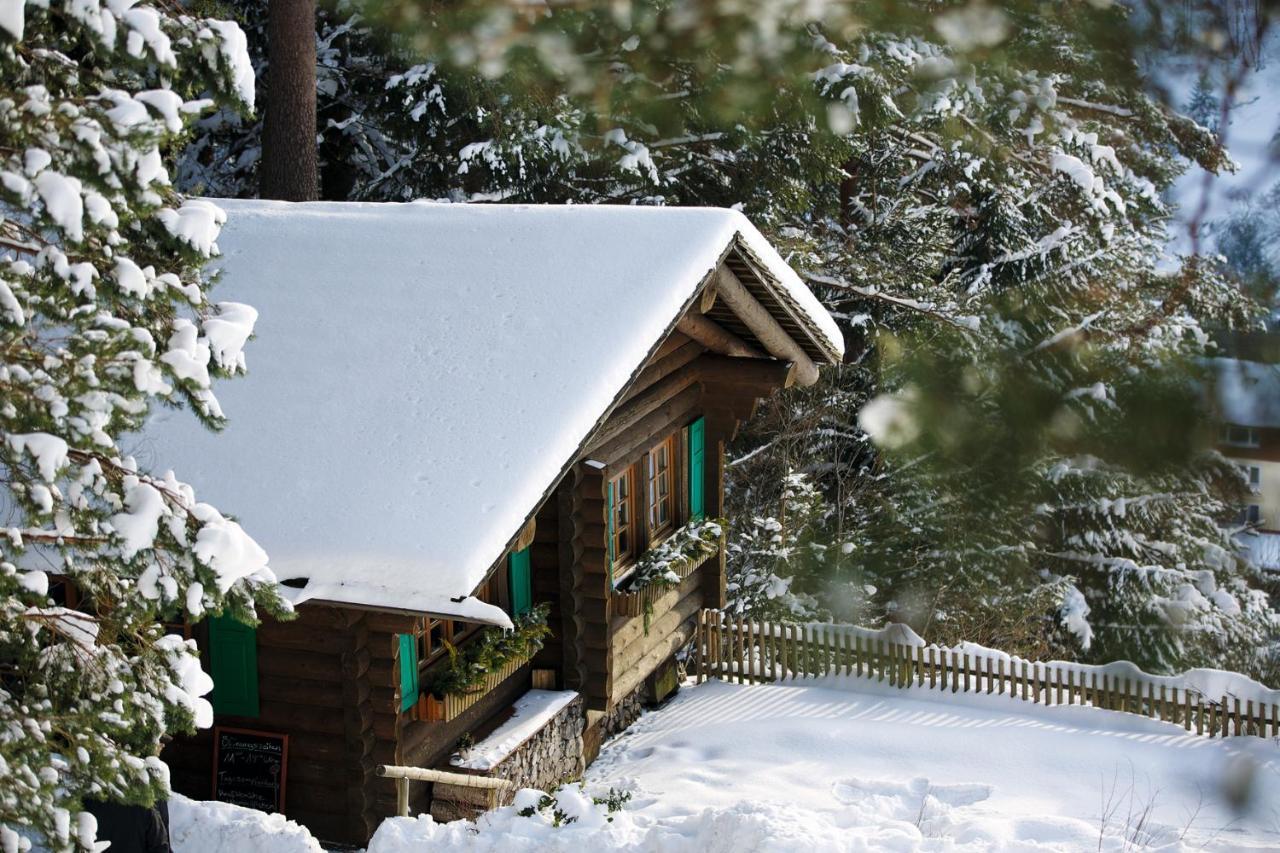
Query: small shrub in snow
[569,803]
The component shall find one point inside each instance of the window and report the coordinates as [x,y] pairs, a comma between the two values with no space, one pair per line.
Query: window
[658,491]
[436,635]
[1238,436]
[1251,514]
[1252,475]
[622,532]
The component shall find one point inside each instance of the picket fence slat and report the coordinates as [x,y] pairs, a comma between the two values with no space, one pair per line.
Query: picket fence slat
[748,651]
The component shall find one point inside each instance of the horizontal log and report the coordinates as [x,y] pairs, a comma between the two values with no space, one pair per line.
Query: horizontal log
[641,433]
[674,341]
[626,681]
[424,774]
[764,326]
[661,627]
[296,717]
[638,407]
[301,635]
[715,337]
[321,694]
[625,630]
[761,376]
[291,663]
[665,366]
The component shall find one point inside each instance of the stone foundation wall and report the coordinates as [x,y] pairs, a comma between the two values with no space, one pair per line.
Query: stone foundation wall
[549,757]
[623,714]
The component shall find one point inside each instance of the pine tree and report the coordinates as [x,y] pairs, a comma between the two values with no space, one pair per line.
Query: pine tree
[104,312]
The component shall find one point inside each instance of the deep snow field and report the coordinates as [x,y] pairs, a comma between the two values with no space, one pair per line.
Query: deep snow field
[847,764]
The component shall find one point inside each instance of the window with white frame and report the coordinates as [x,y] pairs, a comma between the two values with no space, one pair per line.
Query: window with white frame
[1234,435]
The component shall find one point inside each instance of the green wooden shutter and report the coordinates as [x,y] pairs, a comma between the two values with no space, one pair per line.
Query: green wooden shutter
[521,582]
[697,469]
[408,670]
[609,533]
[233,665]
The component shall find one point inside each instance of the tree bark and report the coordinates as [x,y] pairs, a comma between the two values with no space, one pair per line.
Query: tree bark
[288,170]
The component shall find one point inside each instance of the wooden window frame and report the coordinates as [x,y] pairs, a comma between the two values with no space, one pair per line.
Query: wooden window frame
[455,632]
[653,477]
[623,557]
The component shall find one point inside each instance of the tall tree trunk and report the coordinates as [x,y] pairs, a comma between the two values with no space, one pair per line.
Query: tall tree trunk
[288,169]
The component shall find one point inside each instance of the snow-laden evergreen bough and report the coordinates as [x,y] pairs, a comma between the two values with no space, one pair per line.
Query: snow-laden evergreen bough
[103,313]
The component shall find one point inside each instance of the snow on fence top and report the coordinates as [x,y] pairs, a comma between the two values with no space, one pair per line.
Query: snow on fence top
[423,372]
[1211,684]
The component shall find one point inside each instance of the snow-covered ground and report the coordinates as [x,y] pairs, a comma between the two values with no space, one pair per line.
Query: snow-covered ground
[844,764]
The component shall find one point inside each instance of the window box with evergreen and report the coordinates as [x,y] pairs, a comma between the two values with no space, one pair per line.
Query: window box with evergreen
[667,564]
[470,670]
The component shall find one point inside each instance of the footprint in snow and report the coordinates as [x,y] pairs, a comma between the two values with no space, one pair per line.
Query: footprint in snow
[849,791]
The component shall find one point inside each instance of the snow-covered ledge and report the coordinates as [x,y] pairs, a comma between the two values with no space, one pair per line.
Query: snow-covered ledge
[540,746]
[533,710]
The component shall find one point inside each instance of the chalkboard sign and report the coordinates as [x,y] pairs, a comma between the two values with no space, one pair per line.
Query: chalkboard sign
[249,768]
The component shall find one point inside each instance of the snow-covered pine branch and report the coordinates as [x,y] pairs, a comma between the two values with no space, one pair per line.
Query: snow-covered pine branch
[104,312]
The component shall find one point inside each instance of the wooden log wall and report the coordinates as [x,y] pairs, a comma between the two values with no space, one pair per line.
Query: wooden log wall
[315,683]
[680,383]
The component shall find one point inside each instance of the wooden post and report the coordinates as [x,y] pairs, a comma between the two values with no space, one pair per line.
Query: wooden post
[697,647]
[826,650]
[1000,677]
[736,649]
[1026,682]
[1199,713]
[1248,716]
[402,797]
[774,650]
[784,630]
[1236,706]
[1164,705]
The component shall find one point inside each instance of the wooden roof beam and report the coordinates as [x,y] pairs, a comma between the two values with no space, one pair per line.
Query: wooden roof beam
[763,325]
[715,337]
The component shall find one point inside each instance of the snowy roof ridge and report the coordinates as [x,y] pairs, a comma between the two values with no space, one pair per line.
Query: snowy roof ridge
[423,374]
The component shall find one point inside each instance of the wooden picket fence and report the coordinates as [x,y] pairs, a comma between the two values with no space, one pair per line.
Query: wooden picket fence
[752,652]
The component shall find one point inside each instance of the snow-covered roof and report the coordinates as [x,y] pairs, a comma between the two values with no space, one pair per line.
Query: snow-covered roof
[1248,392]
[423,373]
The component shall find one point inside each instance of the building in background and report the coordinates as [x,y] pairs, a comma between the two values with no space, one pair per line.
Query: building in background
[1249,400]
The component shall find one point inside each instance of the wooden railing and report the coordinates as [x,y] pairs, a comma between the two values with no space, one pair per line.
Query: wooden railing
[750,651]
[403,775]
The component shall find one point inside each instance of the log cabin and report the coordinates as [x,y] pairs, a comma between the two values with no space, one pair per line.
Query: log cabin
[482,445]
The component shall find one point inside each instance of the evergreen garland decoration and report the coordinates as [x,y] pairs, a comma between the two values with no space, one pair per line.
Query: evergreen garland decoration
[469,665]
[661,565]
